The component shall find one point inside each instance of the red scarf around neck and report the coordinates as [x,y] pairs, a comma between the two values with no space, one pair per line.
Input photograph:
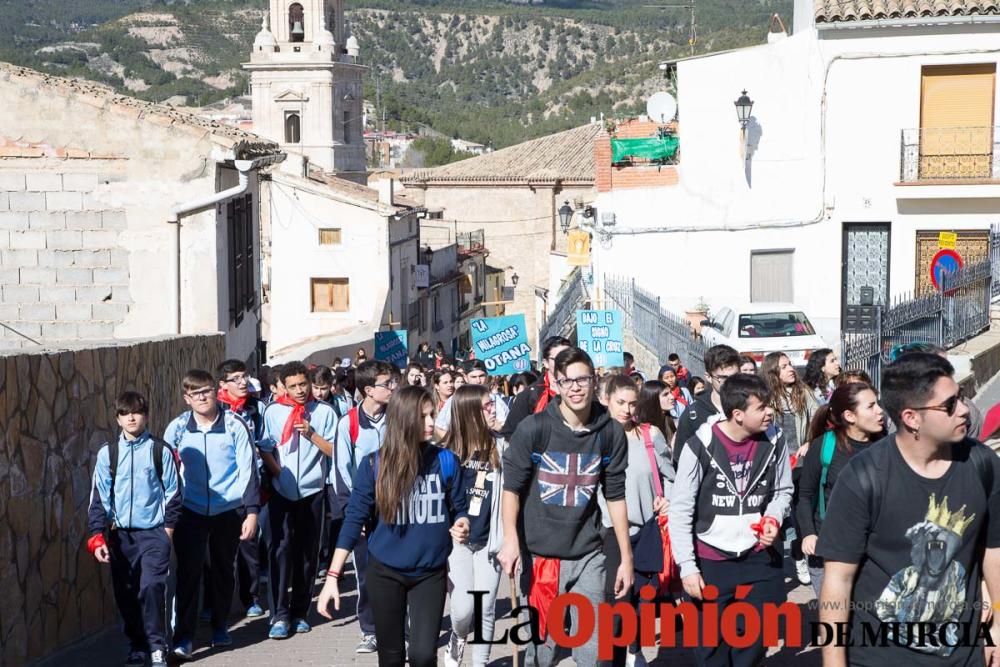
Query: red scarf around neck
[298,412]
[547,393]
[678,395]
[235,404]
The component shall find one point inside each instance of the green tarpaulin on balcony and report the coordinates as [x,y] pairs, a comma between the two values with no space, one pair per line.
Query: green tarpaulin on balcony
[652,148]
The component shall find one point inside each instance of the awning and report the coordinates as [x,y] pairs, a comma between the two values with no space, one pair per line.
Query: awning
[654,149]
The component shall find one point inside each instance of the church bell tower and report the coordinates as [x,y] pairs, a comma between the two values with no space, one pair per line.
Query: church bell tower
[307,85]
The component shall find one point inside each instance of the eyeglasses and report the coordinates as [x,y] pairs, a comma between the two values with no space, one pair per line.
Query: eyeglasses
[582,382]
[947,407]
[201,394]
[722,378]
[387,385]
[239,379]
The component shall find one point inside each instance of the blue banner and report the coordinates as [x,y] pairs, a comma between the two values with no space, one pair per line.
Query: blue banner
[599,334]
[502,344]
[391,346]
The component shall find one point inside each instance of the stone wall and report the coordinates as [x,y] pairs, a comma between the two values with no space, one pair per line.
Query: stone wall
[56,410]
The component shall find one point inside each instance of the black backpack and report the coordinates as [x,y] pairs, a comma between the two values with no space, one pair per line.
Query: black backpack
[158,447]
[868,474]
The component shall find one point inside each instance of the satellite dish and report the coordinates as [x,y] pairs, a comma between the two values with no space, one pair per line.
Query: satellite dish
[661,107]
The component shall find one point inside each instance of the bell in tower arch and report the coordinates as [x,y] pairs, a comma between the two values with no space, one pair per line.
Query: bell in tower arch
[296,23]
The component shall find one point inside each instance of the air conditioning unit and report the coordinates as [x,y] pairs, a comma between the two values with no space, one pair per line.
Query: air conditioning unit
[607,219]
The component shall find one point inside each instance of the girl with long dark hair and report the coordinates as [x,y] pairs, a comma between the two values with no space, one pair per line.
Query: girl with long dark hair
[410,497]
[443,386]
[647,489]
[821,369]
[682,396]
[472,566]
[794,406]
[848,424]
[655,406]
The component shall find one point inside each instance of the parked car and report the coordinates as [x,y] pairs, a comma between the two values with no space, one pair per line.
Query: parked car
[758,329]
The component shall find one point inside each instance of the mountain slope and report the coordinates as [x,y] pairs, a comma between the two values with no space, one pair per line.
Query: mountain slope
[490,72]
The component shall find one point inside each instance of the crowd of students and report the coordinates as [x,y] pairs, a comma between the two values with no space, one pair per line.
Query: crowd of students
[439,479]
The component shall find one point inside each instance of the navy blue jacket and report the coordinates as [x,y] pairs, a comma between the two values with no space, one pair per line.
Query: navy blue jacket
[418,541]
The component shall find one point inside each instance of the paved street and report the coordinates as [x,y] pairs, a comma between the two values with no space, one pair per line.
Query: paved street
[333,642]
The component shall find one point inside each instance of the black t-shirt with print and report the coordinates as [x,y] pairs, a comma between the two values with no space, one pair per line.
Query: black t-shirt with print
[919,554]
[480,479]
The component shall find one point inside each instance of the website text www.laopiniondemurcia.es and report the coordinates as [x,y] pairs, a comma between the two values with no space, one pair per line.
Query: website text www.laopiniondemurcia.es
[738,624]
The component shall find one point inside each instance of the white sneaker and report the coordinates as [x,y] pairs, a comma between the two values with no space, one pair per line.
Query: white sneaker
[802,572]
[454,651]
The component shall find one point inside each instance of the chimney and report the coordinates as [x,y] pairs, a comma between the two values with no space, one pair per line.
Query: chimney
[385,186]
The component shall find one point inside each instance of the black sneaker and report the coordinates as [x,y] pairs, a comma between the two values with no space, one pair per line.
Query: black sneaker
[136,659]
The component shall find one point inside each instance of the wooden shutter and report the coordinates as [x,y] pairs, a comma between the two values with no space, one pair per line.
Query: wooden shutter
[330,295]
[329,236]
[956,120]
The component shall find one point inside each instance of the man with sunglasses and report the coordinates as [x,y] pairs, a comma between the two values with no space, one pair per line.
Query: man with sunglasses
[557,462]
[220,506]
[912,528]
[974,420]
[721,363]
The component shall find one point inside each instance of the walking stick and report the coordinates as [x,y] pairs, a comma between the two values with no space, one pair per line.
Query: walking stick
[513,605]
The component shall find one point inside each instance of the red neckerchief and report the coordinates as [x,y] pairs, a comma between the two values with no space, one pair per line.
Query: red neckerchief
[298,412]
[678,395]
[544,588]
[235,404]
[547,394]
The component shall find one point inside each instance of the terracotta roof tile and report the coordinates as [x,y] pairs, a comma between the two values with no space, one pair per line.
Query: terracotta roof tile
[834,11]
[566,156]
[244,144]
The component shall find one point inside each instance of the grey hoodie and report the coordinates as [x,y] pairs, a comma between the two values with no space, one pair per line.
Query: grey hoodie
[556,472]
[708,507]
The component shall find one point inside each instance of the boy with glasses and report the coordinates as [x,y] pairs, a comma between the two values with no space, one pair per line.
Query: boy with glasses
[234,395]
[912,528]
[721,363]
[535,398]
[221,501]
[360,434]
[557,462]
[296,447]
[141,512]
[475,373]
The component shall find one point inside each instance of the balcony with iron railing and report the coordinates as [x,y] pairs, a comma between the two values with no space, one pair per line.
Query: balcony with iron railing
[950,155]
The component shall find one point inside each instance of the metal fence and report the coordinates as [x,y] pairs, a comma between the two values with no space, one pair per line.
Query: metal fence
[957,311]
[655,328]
[562,318]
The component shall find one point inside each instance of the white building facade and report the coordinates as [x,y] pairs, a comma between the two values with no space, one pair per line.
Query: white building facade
[869,135]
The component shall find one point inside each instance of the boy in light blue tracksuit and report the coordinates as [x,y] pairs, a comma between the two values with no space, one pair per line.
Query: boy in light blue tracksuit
[139,499]
[296,448]
[221,503]
[359,434]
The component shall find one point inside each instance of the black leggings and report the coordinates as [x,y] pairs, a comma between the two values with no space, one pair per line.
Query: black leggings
[391,595]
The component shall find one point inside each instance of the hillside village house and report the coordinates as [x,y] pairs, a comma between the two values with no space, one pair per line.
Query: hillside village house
[514,195]
[90,182]
[872,130]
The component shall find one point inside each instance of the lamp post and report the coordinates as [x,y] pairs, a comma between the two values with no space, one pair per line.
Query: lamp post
[565,216]
[743,107]
[514,279]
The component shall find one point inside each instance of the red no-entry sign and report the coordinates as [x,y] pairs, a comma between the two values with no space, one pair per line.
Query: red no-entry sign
[945,261]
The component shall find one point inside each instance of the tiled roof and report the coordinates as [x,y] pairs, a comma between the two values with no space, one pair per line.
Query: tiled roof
[831,11]
[343,185]
[244,144]
[564,156]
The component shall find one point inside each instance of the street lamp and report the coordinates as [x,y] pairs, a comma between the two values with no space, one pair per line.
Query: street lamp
[514,279]
[743,106]
[565,216]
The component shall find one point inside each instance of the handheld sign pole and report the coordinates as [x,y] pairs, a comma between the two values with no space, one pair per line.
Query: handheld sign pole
[513,605]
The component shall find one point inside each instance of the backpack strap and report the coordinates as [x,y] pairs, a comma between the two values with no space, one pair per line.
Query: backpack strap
[447,462]
[982,457]
[825,458]
[870,488]
[113,462]
[655,469]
